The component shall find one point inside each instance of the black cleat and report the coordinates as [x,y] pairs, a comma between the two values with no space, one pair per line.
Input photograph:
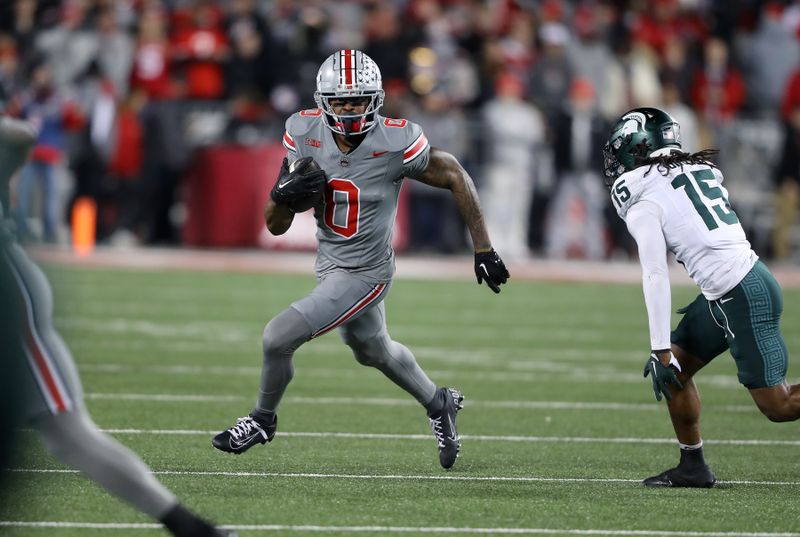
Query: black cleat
[443,425]
[701,477]
[245,434]
[225,533]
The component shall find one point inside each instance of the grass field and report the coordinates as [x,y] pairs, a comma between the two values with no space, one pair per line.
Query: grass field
[558,426]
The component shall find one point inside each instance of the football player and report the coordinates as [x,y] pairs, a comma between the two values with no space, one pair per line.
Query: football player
[674,201]
[361,159]
[51,396]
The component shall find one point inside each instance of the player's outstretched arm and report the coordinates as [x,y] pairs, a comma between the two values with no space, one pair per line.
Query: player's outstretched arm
[444,171]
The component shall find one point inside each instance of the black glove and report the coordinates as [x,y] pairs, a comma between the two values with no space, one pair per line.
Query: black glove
[489,267]
[301,187]
[662,375]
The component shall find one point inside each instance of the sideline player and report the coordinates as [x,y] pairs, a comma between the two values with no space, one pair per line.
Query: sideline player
[363,158]
[52,395]
[674,201]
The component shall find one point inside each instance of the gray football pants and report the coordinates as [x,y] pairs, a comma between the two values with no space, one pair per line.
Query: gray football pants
[356,308]
[52,399]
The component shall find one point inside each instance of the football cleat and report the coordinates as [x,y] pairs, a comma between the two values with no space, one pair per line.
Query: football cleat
[443,425]
[245,434]
[701,477]
[225,533]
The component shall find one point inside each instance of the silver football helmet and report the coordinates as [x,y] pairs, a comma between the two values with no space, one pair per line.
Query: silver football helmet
[349,73]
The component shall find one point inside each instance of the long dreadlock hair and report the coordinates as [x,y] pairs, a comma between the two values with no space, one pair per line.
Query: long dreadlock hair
[675,159]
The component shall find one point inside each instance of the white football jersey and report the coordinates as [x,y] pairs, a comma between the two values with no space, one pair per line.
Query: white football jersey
[699,226]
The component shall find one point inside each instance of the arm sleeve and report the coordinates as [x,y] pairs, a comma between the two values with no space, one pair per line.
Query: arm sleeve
[644,223]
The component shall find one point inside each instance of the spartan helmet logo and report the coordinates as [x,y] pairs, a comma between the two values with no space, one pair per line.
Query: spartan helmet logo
[634,122]
[349,74]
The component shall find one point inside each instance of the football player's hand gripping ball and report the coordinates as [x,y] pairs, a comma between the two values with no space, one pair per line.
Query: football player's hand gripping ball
[299,186]
[489,267]
[662,375]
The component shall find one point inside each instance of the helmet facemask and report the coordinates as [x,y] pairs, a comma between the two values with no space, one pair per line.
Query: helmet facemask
[349,74]
[350,124]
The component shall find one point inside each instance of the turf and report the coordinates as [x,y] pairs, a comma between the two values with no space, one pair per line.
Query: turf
[558,426]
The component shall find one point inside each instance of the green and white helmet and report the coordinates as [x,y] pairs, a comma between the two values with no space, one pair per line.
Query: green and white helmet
[639,133]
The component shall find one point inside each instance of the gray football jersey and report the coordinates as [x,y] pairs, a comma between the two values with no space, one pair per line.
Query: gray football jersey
[355,219]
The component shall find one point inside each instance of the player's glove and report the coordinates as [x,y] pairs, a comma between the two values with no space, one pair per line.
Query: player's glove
[662,375]
[300,186]
[489,267]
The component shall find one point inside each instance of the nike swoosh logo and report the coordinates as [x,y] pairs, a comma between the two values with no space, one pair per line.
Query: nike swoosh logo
[452,436]
[283,184]
[484,269]
[239,443]
[378,153]
[724,300]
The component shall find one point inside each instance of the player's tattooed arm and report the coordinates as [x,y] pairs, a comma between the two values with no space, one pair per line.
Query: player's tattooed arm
[444,171]
[277,217]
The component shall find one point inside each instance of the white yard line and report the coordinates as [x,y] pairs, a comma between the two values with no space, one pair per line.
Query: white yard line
[470,437]
[573,374]
[405,529]
[394,477]
[386,401]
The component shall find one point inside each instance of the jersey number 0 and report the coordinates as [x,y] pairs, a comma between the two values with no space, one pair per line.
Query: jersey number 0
[342,206]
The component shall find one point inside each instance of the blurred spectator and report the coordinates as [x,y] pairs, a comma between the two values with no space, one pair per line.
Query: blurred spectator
[513,135]
[22,27]
[635,83]
[592,58]
[114,51]
[48,108]
[673,104]
[10,78]
[388,43]
[248,69]
[787,179]
[575,227]
[152,67]
[436,224]
[165,153]
[769,56]
[718,90]
[70,46]
[662,21]
[90,147]
[678,65]
[124,171]
[199,48]
[551,76]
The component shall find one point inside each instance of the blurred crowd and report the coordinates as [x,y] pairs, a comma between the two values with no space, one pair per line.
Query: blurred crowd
[522,92]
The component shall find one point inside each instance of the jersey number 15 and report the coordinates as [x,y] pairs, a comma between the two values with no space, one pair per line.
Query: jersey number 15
[706,198]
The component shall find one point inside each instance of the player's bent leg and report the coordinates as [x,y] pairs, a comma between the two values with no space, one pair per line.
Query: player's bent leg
[696,341]
[778,403]
[282,336]
[684,407]
[369,340]
[684,410]
[72,438]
